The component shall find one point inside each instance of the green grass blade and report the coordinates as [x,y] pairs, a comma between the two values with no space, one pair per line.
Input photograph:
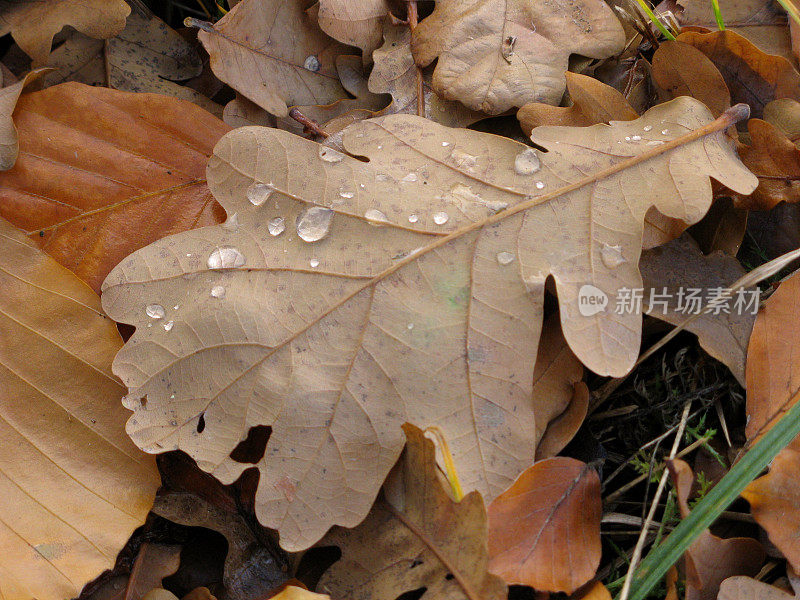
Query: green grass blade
[718,15]
[649,12]
[659,560]
[790,8]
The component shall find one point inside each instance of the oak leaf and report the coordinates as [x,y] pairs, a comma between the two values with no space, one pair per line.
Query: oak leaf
[274,54]
[494,55]
[356,23]
[101,173]
[33,24]
[344,297]
[747,588]
[74,487]
[9,137]
[544,531]
[416,536]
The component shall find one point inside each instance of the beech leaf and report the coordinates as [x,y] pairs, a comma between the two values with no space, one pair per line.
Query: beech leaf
[344,297]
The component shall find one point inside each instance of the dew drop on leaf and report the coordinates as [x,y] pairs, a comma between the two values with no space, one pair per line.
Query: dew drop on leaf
[168,325]
[218,291]
[313,223]
[225,257]
[155,311]
[330,155]
[413,218]
[410,178]
[648,127]
[276,226]
[527,162]
[375,216]
[540,185]
[311,63]
[314,263]
[346,192]
[505,258]
[440,218]
[231,223]
[258,193]
[664,131]
[612,255]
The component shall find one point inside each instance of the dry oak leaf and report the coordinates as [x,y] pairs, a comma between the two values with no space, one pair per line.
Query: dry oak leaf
[33,24]
[356,23]
[9,137]
[773,384]
[544,531]
[416,536]
[498,54]
[101,173]
[784,113]
[73,485]
[273,53]
[350,296]
[753,76]
[711,559]
[680,264]
[747,588]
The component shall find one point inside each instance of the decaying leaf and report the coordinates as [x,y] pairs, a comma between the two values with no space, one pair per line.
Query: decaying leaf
[354,22]
[544,531]
[274,54]
[772,388]
[102,172]
[374,317]
[494,55]
[415,536]
[747,588]
[9,138]
[592,102]
[711,559]
[33,24]
[73,485]
[680,265]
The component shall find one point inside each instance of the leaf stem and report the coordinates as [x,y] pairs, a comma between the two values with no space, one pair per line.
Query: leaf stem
[310,124]
[655,20]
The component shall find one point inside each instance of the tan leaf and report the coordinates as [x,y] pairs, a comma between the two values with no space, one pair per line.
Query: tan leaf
[498,54]
[563,427]
[293,592]
[680,265]
[592,102]
[592,591]
[544,531]
[33,24]
[73,485]
[784,113]
[415,536]
[9,138]
[356,23]
[101,173]
[753,76]
[711,559]
[395,73]
[417,303]
[747,588]
[682,70]
[274,54]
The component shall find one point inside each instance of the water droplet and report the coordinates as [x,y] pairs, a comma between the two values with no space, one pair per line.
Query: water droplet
[225,257]
[655,143]
[168,325]
[648,127]
[314,263]
[445,144]
[463,160]
[330,155]
[413,218]
[636,138]
[276,226]
[505,258]
[346,192]
[612,256]
[664,131]
[410,326]
[375,216]
[177,306]
[155,311]
[440,218]
[627,138]
[539,185]
[527,162]
[231,223]
[410,178]
[258,193]
[313,223]
[311,63]
[174,423]
[218,291]
[382,177]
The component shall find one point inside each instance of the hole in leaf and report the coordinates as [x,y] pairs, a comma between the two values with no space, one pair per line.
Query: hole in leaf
[201,423]
[252,448]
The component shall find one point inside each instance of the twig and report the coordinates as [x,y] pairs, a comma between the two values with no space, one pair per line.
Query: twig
[106,64]
[413,19]
[309,124]
[637,551]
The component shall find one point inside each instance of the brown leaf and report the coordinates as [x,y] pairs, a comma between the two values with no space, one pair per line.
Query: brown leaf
[293,592]
[415,537]
[592,102]
[356,23]
[153,563]
[680,69]
[711,559]
[563,428]
[494,55]
[9,138]
[680,265]
[274,54]
[383,319]
[101,173]
[73,485]
[753,76]
[592,591]
[33,24]
[544,531]
[747,588]
[784,113]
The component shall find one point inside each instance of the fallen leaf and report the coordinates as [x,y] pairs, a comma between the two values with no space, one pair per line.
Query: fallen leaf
[592,102]
[544,531]
[9,138]
[74,487]
[274,54]
[494,55]
[711,559]
[753,76]
[381,339]
[784,113]
[680,265]
[723,228]
[101,173]
[153,563]
[356,23]
[592,591]
[293,592]
[680,69]
[33,24]
[415,537]
[561,429]
[747,588]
